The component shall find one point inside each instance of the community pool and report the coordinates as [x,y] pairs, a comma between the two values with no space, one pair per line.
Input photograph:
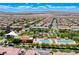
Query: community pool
[45,41]
[65,41]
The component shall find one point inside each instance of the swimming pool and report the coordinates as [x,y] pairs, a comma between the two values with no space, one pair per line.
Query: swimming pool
[65,41]
[45,41]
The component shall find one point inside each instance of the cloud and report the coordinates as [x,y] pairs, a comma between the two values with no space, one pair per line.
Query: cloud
[23,7]
[5,7]
[67,7]
[16,8]
[43,7]
[36,8]
[39,8]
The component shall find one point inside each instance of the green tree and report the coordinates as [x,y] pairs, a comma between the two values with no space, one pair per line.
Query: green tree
[2,33]
[16,41]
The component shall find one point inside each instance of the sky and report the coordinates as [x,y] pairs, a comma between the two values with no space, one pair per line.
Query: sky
[38,7]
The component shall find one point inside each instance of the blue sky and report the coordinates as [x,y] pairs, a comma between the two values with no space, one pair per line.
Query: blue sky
[38,7]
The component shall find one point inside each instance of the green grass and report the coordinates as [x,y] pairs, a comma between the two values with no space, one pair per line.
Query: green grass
[54,50]
[17,46]
[1,38]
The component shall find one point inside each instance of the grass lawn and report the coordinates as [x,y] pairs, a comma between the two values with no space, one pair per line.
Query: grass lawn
[54,50]
[1,38]
[65,50]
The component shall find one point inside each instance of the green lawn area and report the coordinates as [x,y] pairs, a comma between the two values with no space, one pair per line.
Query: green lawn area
[1,38]
[54,50]
[65,50]
[17,46]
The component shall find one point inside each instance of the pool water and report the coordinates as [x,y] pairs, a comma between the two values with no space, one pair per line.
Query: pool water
[65,41]
[45,41]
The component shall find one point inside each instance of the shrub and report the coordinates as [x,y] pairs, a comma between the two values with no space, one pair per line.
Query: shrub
[17,46]
[45,45]
[54,50]
[16,41]
[26,47]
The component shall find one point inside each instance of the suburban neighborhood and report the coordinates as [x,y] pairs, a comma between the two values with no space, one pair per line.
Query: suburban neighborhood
[39,33]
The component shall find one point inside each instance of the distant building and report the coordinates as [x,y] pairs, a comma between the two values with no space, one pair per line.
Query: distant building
[11,34]
[26,39]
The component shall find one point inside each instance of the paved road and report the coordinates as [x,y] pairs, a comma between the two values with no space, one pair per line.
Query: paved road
[43,51]
[54,26]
